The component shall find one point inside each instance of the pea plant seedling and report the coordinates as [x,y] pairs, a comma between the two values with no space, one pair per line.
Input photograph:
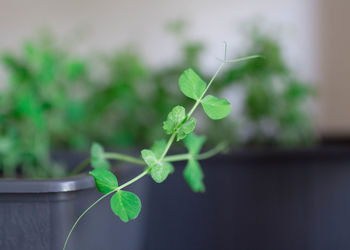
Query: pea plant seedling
[179,126]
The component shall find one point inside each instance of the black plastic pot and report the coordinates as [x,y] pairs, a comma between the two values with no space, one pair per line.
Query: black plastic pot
[257,200]
[38,214]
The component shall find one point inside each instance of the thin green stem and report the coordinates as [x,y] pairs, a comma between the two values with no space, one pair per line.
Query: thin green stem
[145,172]
[81,216]
[182,157]
[111,156]
[101,198]
[219,148]
[243,59]
[179,157]
[170,141]
[81,167]
[123,157]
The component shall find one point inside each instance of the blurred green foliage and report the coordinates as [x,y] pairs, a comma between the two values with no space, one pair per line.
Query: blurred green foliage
[41,106]
[51,100]
[275,106]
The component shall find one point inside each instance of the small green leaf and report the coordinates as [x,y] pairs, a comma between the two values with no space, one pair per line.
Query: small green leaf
[158,148]
[126,205]
[194,143]
[194,176]
[149,157]
[186,128]
[161,171]
[98,159]
[216,108]
[191,85]
[105,180]
[175,118]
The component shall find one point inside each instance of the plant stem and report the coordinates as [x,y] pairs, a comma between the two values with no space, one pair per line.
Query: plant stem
[205,155]
[81,166]
[81,216]
[220,147]
[112,156]
[179,157]
[123,157]
[243,59]
[170,141]
[145,172]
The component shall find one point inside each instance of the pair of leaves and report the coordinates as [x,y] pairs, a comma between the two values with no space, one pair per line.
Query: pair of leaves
[124,204]
[159,169]
[98,160]
[192,86]
[176,122]
[193,173]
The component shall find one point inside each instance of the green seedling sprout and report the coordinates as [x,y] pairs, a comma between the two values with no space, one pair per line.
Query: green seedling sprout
[179,126]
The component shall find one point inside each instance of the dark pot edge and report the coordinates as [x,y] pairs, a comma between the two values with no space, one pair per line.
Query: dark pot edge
[67,184]
[84,181]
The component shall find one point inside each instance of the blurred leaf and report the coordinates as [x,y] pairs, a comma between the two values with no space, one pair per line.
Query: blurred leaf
[193,175]
[98,160]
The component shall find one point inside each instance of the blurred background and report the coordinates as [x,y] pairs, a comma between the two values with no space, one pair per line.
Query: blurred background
[74,72]
[77,72]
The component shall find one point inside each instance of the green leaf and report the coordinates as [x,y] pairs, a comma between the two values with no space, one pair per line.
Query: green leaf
[149,157]
[105,180]
[158,148]
[126,205]
[216,108]
[161,171]
[194,143]
[175,118]
[191,85]
[194,176]
[98,159]
[186,128]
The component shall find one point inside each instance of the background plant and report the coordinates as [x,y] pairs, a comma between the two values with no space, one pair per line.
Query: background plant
[52,100]
[276,104]
[41,106]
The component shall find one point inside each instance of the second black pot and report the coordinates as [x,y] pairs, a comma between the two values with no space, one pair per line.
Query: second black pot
[257,200]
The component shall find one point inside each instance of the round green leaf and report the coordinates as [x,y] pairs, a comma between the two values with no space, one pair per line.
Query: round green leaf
[216,108]
[191,85]
[149,157]
[105,180]
[126,205]
[161,171]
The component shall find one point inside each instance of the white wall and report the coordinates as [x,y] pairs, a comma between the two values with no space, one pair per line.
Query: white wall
[107,24]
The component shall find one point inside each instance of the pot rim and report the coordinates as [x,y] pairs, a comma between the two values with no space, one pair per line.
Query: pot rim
[57,185]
